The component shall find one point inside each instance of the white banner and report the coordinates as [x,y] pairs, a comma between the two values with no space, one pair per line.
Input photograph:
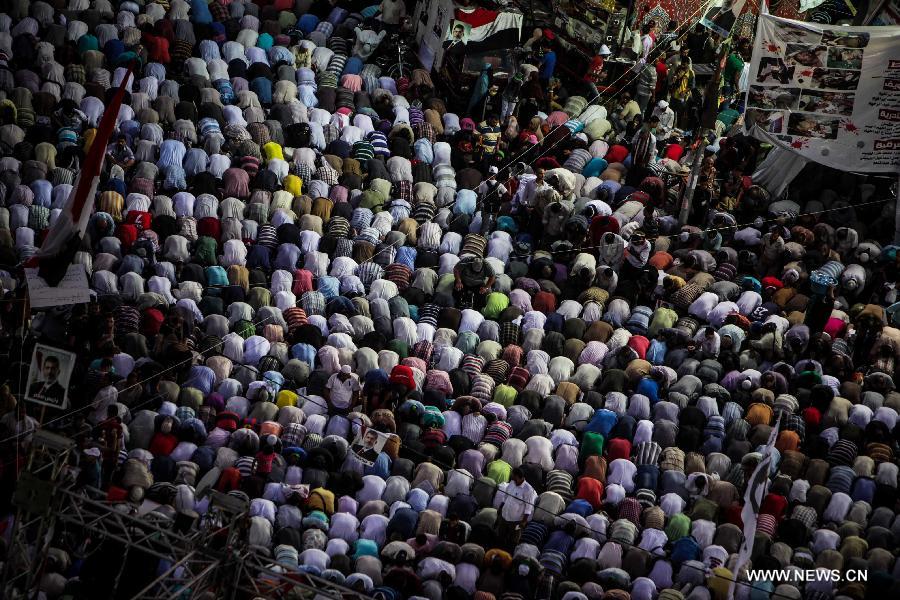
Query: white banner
[831,94]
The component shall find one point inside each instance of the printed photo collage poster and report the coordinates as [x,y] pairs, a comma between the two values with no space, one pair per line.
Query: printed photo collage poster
[831,94]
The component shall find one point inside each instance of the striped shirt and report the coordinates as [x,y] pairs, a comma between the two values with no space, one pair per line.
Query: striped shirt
[423,211]
[112,203]
[490,137]
[482,387]
[398,274]
[379,143]
[127,319]
[295,317]
[61,176]
[429,235]
[369,272]
[75,73]
[338,227]
[313,303]
[246,465]
[473,426]
[647,453]
[497,433]
[843,452]
[428,314]
[267,236]
[363,150]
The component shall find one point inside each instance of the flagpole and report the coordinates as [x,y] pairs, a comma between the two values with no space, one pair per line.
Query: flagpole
[757,488]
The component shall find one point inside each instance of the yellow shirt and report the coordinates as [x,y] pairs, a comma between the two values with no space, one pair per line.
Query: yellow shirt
[294,185]
[273,150]
[630,109]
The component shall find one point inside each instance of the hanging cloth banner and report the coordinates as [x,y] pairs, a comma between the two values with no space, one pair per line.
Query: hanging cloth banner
[807,93]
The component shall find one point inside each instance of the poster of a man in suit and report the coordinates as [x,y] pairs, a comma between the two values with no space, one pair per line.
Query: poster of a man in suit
[49,376]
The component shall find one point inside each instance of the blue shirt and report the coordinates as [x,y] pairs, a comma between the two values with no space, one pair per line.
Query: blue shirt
[548,65]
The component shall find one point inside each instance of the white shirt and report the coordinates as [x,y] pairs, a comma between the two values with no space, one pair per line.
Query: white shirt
[344,526]
[518,501]
[622,471]
[342,390]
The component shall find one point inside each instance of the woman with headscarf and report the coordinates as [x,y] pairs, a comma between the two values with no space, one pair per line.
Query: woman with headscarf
[480,90]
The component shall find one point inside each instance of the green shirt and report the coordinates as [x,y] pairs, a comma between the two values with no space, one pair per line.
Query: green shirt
[733,67]
[499,471]
[494,305]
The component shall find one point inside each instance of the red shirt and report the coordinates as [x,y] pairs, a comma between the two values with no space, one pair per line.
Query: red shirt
[775,505]
[403,375]
[594,69]
[616,154]
[618,448]
[544,302]
[662,74]
[591,490]
[600,225]
[163,444]
[673,152]
[639,344]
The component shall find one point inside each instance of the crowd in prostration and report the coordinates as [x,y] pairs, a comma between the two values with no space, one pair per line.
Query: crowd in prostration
[289,246]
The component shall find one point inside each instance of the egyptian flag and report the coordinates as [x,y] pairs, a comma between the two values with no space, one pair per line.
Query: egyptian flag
[65,236]
[491,30]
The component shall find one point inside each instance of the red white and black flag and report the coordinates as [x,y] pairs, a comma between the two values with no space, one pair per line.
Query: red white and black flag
[491,30]
[64,238]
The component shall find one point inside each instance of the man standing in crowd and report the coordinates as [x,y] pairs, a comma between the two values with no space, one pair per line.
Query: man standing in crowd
[343,390]
[517,502]
[473,279]
[548,63]
[646,87]
[734,67]
[489,140]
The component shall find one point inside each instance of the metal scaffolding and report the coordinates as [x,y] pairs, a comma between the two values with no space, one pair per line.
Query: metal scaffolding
[207,558]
